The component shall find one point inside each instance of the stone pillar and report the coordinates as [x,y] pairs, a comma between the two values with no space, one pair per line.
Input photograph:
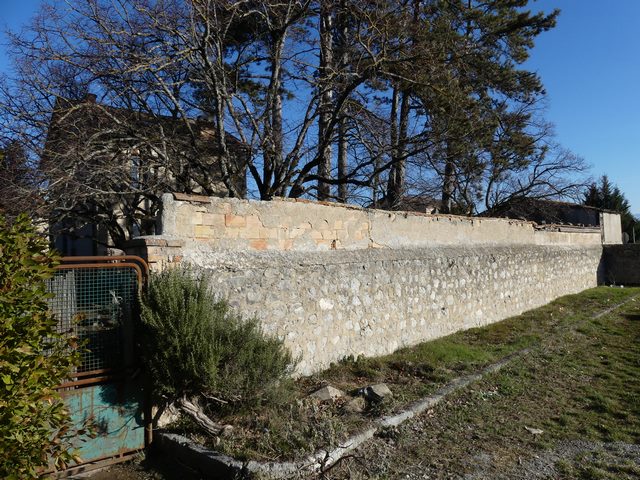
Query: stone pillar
[158,252]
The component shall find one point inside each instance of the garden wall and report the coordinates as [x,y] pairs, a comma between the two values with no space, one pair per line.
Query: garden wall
[336,281]
[302,225]
[622,264]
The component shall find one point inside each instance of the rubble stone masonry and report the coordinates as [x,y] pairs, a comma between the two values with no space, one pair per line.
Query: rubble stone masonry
[335,281]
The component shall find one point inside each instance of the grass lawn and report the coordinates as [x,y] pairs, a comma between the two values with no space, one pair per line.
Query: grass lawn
[579,382]
[580,386]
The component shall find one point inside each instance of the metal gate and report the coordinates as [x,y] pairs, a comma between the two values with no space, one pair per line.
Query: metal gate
[95,299]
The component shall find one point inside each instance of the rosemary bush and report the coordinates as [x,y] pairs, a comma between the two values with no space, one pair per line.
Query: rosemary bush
[193,344]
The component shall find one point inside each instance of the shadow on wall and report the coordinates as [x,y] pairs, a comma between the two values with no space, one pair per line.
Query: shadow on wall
[602,271]
[621,264]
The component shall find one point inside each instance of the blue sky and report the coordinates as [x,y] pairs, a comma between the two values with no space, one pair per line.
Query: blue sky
[13,14]
[590,65]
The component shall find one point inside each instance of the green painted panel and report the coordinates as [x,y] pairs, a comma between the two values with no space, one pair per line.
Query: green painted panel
[115,411]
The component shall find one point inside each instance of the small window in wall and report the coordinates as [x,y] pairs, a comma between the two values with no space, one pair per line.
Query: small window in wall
[135,172]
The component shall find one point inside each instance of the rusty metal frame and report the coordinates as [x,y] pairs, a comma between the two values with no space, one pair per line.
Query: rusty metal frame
[93,465]
[106,375]
[119,259]
[87,266]
[93,377]
[82,263]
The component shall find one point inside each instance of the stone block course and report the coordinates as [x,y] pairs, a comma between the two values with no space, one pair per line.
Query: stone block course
[339,303]
[311,226]
[339,281]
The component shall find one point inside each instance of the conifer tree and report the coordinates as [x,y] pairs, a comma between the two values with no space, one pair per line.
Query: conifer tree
[607,196]
[351,100]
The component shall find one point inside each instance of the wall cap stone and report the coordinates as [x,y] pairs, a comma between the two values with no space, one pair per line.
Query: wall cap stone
[155,241]
[184,197]
[192,198]
[254,259]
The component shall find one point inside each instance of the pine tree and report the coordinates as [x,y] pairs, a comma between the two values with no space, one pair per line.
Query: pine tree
[608,196]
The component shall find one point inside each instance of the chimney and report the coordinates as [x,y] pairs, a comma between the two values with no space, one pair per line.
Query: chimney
[90,98]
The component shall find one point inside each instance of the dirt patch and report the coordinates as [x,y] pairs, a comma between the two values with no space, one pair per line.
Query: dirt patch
[150,467]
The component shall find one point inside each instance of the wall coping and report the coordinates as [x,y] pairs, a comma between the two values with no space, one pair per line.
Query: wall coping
[240,260]
[154,241]
[192,198]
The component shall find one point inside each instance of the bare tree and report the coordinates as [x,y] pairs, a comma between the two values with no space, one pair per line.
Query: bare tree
[335,99]
[18,192]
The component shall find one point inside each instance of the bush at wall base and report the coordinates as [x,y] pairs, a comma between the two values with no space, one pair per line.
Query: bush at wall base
[194,345]
[34,359]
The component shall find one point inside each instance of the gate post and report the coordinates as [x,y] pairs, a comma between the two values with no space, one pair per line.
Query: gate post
[158,252]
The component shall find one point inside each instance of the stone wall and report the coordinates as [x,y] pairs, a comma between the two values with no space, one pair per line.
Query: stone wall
[622,264]
[302,225]
[611,225]
[371,302]
[337,281]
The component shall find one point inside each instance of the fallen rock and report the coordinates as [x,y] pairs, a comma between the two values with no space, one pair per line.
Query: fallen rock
[534,431]
[355,405]
[376,393]
[327,393]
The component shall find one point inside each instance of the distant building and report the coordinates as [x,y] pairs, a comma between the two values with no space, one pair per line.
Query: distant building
[102,145]
[410,203]
[546,212]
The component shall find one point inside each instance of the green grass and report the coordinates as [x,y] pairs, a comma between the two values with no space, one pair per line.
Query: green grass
[580,381]
[598,466]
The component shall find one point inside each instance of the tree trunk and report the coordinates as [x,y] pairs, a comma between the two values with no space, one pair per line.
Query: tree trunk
[396,184]
[400,162]
[191,408]
[342,32]
[448,184]
[393,141]
[342,160]
[375,185]
[273,151]
[326,98]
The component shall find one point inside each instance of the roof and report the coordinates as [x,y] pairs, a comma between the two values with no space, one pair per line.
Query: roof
[96,131]
[86,115]
[410,203]
[546,211]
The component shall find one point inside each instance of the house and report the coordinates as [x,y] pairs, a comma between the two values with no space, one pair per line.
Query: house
[106,168]
[542,211]
[410,203]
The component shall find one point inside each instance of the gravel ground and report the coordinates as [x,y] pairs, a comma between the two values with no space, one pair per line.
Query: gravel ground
[378,459]
[382,459]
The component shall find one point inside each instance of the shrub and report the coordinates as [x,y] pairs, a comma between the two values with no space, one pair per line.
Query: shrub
[34,359]
[194,344]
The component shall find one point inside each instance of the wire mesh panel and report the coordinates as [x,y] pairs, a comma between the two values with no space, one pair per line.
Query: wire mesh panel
[96,304]
[95,300]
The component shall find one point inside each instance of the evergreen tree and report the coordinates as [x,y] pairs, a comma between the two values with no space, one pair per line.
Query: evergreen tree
[607,196]
[354,100]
